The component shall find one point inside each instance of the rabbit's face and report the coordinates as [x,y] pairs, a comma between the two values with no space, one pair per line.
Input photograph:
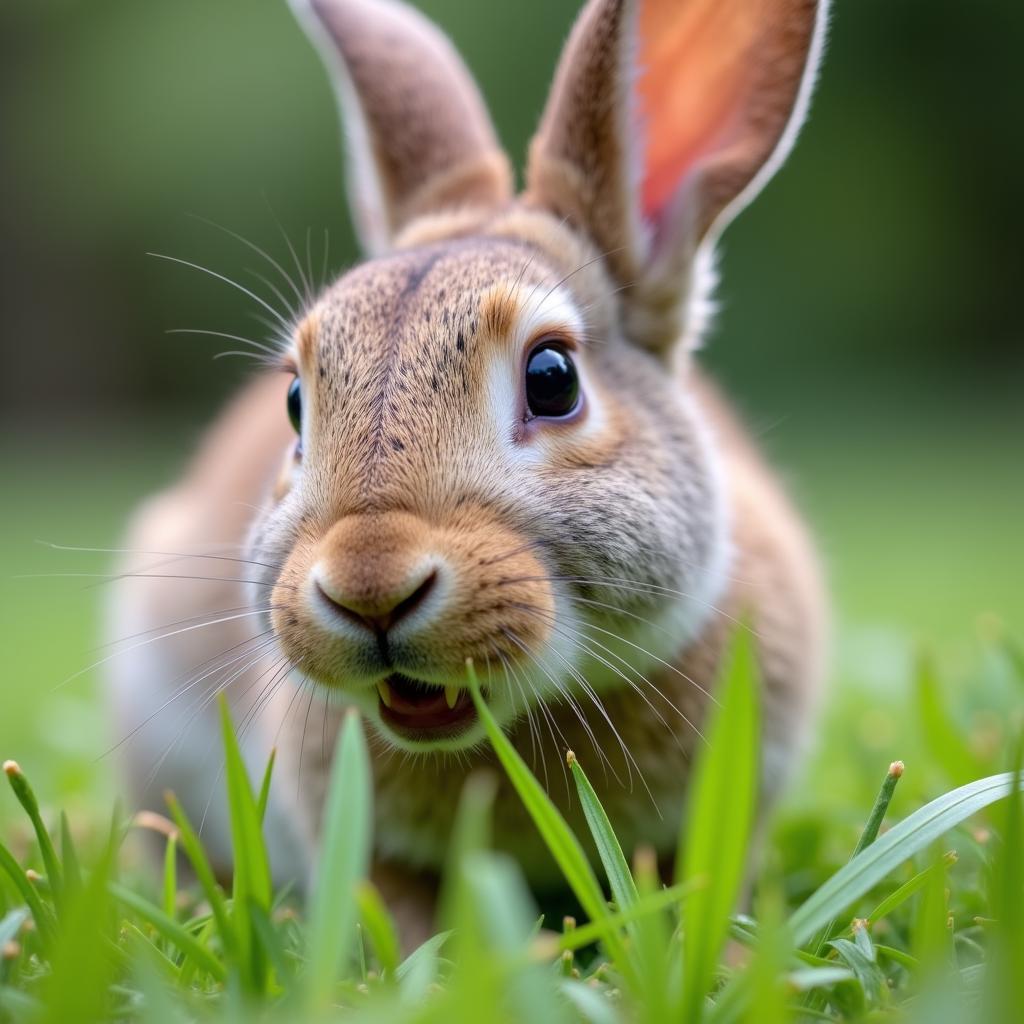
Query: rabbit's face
[485,469]
[497,457]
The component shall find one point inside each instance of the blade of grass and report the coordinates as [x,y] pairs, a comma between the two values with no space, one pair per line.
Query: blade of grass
[379,926]
[82,966]
[1005,989]
[505,916]
[718,825]
[867,837]
[41,914]
[69,857]
[251,883]
[252,869]
[264,797]
[899,844]
[905,891]
[563,845]
[344,861]
[585,934]
[27,798]
[615,867]
[471,832]
[915,833]
[204,874]
[170,930]
[170,892]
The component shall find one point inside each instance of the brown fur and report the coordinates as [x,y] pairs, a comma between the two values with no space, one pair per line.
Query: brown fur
[594,568]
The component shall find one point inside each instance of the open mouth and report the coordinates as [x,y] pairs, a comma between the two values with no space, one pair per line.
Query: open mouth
[417,710]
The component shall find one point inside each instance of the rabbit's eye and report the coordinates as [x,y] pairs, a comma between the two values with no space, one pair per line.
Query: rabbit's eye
[295,405]
[552,386]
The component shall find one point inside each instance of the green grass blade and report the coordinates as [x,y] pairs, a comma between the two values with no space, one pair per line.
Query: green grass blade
[647,904]
[615,867]
[271,942]
[419,970]
[471,832]
[899,844]
[563,845]
[170,891]
[251,884]
[379,926]
[904,892]
[714,843]
[69,857]
[1005,995]
[41,914]
[204,874]
[867,837]
[83,962]
[170,930]
[591,1006]
[27,798]
[252,868]
[264,797]
[344,862]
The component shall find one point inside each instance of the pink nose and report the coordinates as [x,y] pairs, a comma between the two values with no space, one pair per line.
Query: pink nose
[383,608]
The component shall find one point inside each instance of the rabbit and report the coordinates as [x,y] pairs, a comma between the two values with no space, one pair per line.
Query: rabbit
[493,440]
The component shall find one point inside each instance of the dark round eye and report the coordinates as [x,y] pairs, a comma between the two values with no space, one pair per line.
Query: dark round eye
[295,405]
[552,386]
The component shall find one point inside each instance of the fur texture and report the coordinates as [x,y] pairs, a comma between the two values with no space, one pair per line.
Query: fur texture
[593,566]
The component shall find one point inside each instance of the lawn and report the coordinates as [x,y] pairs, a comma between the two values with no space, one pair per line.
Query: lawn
[928,670]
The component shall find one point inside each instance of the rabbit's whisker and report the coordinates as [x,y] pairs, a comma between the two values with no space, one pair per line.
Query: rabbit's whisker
[260,252]
[281,321]
[565,695]
[535,739]
[203,618]
[632,586]
[195,680]
[154,639]
[587,643]
[269,351]
[560,743]
[204,700]
[277,677]
[169,554]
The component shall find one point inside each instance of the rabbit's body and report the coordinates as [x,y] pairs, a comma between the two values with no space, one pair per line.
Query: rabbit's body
[593,562]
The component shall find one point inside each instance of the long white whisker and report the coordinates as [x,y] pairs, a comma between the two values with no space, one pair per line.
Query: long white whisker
[262,252]
[285,325]
[151,640]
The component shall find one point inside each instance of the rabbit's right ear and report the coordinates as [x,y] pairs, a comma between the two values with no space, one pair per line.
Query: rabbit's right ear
[419,137]
[665,119]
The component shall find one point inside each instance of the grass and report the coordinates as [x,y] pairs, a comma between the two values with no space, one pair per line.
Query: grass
[99,937]
[905,929]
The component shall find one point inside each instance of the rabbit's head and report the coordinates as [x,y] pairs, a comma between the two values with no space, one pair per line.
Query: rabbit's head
[496,455]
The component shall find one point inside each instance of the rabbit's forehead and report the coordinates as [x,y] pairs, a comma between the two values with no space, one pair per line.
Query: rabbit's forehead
[438,303]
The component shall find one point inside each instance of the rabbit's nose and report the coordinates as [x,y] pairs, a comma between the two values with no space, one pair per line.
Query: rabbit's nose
[382,609]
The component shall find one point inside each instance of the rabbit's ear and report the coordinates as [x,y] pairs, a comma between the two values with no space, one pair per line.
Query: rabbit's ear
[419,137]
[665,118]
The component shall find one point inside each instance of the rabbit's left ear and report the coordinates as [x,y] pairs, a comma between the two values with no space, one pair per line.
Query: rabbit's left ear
[419,139]
[666,117]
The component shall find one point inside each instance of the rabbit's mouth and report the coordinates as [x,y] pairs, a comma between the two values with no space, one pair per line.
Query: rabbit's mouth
[417,710]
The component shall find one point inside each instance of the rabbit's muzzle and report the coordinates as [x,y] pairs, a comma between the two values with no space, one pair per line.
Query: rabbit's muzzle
[387,607]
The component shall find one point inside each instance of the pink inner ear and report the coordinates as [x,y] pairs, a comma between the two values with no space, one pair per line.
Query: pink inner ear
[694,75]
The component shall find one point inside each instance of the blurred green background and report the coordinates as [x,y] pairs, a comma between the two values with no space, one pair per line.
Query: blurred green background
[869,327]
